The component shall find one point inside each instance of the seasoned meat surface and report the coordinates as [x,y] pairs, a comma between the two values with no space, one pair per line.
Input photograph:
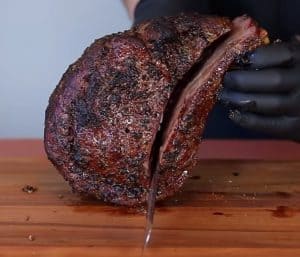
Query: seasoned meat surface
[106,111]
[183,133]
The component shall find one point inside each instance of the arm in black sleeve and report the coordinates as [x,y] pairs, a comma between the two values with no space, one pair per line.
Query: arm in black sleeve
[148,9]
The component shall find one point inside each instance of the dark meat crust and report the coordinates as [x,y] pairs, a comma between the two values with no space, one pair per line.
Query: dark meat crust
[183,137]
[104,114]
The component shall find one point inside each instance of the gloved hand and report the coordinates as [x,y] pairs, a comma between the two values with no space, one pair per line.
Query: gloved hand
[265,94]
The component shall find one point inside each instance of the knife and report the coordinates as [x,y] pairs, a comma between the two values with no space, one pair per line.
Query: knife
[151,205]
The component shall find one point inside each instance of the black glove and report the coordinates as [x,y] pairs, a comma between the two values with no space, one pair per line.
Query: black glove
[265,94]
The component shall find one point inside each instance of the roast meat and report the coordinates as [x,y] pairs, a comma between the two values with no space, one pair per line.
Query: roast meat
[142,97]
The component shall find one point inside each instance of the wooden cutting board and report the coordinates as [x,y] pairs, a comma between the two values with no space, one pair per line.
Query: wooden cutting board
[233,204]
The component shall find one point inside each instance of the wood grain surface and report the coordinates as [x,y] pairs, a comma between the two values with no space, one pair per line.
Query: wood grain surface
[229,207]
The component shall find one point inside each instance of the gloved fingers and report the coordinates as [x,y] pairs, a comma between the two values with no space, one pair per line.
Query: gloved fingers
[295,49]
[266,80]
[277,54]
[268,104]
[296,39]
[280,125]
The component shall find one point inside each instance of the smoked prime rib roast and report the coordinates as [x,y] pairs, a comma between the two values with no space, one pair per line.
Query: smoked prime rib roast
[140,98]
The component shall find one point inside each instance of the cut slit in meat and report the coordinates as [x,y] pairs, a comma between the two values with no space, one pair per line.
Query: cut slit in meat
[197,99]
[174,98]
[171,106]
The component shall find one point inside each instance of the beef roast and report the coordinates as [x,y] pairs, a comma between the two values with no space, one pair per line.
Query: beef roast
[125,104]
